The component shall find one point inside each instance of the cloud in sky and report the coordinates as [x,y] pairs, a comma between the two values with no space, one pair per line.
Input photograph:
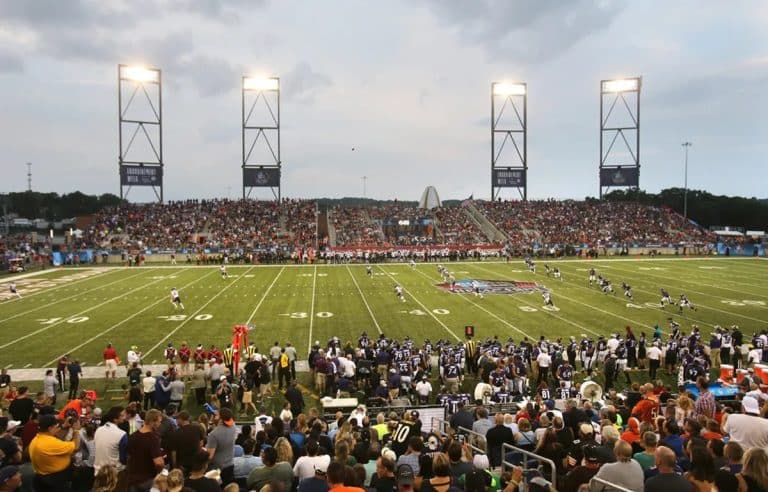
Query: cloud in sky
[405,83]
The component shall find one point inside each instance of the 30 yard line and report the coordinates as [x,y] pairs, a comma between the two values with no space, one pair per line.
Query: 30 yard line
[426,309]
[364,301]
[102,333]
[191,316]
[312,310]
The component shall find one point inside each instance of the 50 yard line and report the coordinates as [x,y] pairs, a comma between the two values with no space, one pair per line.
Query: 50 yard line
[364,301]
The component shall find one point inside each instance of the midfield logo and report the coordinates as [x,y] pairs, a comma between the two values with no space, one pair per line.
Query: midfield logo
[493,287]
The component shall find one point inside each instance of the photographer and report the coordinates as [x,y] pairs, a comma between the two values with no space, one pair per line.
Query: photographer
[51,457]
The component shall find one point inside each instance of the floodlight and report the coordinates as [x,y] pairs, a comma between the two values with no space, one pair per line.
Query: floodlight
[261,83]
[508,89]
[621,85]
[141,74]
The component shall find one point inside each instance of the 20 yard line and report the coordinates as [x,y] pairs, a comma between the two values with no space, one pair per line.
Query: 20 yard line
[120,323]
[364,301]
[190,317]
[426,309]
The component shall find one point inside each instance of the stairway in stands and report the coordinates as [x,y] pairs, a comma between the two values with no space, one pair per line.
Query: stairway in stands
[493,233]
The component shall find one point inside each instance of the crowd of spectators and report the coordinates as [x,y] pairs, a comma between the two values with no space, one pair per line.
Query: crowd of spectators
[353,227]
[591,222]
[456,228]
[202,224]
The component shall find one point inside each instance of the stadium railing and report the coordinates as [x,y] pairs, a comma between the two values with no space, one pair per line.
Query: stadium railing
[528,457]
[605,485]
[478,444]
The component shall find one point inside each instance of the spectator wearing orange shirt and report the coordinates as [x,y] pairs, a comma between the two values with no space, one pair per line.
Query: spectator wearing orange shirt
[647,408]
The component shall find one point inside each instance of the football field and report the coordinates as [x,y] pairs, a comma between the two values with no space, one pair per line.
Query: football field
[79,310]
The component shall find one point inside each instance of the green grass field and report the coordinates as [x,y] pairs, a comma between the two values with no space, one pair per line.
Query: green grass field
[70,313]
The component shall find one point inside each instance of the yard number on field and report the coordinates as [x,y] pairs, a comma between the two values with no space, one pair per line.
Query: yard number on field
[744,302]
[53,321]
[302,315]
[182,317]
[419,312]
[531,309]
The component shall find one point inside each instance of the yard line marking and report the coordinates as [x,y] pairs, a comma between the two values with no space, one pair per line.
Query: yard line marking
[426,309]
[42,306]
[192,316]
[469,300]
[8,366]
[100,363]
[104,332]
[573,323]
[698,305]
[623,299]
[364,301]
[638,323]
[312,310]
[64,319]
[45,291]
[678,279]
[264,296]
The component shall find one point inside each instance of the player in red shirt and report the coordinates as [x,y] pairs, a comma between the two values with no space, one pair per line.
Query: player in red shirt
[110,361]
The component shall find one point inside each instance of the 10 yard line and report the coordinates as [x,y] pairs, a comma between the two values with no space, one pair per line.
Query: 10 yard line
[364,301]
[312,310]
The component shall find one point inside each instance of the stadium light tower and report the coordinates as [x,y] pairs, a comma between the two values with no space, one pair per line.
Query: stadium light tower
[686,146]
[261,134]
[620,168]
[137,166]
[509,169]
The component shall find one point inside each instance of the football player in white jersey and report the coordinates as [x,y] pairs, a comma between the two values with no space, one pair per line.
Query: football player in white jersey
[176,299]
[399,293]
[13,290]
[223,271]
[476,288]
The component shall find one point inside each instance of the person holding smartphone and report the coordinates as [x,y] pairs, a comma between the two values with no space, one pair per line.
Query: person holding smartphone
[51,457]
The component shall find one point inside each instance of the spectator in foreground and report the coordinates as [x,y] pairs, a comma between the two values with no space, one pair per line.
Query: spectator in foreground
[754,475]
[625,472]
[667,479]
[51,457]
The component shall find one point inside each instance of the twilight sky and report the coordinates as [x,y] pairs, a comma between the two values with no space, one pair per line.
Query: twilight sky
[406,83]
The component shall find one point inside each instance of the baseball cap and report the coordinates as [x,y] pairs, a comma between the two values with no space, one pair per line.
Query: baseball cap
[321,468]
[481,462]
[750,404]
[7,473]
[404,475]
[222,378]
[414,414]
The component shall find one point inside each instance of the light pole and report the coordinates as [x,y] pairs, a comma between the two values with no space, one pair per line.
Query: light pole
[365,180]
[686,145]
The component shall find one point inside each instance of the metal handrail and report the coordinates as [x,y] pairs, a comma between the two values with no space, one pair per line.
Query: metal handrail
[613,486]
[477,449]
[443,426]
[508,447]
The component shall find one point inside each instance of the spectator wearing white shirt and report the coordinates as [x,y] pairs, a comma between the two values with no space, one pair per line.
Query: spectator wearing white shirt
[424,390]
[544,361]
[111,442]
[306,466]
[747,429]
